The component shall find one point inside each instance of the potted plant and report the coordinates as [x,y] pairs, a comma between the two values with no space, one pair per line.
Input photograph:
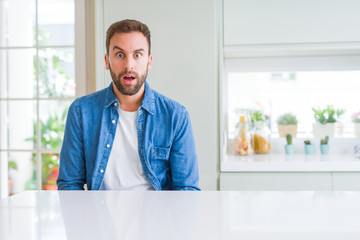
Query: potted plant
[52,133]
[11,165]
[325,121]
[356,120]
[324,146]
[289,148]
[287,123]
[309,148]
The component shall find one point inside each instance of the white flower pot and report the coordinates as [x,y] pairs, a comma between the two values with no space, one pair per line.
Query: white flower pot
[323,130]
[357,129]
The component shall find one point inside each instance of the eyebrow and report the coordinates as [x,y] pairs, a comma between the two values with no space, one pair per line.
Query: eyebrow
[136,50]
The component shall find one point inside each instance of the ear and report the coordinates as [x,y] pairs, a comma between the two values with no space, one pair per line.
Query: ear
[150,62]
[106,62]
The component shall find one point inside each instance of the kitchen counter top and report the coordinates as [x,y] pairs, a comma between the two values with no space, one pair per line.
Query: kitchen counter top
[180,215]
[291,163]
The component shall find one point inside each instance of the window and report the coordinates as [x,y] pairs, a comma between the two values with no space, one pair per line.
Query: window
[277,93]
[295,84]
[38,81]
[277,85]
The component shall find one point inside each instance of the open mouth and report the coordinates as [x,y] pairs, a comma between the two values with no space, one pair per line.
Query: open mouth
[128,79]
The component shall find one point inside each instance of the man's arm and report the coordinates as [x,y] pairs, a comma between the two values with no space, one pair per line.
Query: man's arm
[183,159]
[72,163]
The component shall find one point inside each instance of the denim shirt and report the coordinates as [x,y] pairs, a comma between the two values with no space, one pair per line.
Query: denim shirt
[166,144]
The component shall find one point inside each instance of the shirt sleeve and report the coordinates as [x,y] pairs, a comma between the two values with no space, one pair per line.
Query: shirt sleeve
[183,159]
[72,163]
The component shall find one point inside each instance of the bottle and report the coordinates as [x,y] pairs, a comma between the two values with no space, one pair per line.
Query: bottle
[243,136]
[261,137]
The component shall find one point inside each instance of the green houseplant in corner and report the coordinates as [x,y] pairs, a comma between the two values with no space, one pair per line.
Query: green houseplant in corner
[52,134]
[289,147]
[287,124]
[325,121]
[11,166]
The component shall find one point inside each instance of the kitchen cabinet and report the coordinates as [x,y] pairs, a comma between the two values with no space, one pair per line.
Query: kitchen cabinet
[290,181]
[248,22]
[290,28]
[276,181]
[346,181]
[297,172]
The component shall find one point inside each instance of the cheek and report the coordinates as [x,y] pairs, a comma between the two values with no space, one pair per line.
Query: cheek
[114,64]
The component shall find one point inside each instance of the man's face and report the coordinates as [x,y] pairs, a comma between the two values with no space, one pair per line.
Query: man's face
[128,61]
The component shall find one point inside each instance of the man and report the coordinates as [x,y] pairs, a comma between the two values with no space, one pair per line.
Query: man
[128,136]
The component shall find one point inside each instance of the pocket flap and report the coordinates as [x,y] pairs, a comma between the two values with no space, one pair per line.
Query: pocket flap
[160,152]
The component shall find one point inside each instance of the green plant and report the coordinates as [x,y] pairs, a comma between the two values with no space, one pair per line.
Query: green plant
[12,165]
[307,142]
[51,61]
[325,140]
[287,119]
[327,115]
[51,137]
[289,139]
[257,116]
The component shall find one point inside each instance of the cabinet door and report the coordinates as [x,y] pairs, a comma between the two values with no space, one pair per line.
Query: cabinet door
[287,22]
[346,181]
[275,181]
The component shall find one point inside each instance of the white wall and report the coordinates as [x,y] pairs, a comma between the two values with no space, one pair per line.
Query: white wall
[185,65]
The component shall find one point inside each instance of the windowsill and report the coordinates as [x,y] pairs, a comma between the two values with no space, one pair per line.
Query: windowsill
[274,162]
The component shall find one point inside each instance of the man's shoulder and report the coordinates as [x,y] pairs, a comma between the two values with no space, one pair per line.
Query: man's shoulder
[162,101]
[92,99]
[95,96]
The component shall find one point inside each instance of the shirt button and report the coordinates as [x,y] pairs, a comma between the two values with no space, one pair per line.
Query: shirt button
[108,145]
[101,171]
[115,104]
[113,121]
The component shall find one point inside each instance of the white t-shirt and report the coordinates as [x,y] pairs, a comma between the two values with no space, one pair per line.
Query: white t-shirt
[124,170]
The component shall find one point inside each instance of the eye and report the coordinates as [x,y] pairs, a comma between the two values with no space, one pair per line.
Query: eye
[137,55]
[120,55]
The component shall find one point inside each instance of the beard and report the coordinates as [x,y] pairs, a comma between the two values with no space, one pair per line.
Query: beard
[128,89]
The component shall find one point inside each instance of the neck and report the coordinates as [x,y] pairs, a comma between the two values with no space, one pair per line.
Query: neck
[130,103]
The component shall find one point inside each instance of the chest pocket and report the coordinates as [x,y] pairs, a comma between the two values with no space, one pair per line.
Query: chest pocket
[160,157]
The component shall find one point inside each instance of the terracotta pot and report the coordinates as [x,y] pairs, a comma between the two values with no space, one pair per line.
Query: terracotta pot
[10,183]
[285,129]
[50,187]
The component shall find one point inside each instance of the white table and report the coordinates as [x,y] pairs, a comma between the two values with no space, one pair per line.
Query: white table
[180,215]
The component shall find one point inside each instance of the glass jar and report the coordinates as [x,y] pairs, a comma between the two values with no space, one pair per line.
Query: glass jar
[261,138]
[243,136]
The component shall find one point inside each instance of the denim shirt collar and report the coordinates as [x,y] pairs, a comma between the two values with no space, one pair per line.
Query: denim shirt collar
[148,102]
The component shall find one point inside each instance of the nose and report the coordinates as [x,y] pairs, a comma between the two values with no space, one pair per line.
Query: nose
[129,64]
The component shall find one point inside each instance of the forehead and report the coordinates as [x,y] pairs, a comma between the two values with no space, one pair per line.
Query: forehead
[129,41]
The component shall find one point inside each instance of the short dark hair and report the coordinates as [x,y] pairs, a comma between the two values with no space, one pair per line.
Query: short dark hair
[126,26]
